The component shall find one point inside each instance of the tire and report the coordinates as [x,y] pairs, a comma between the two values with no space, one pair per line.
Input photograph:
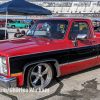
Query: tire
[13,27]
[26,26]
[40,76]
[1,26]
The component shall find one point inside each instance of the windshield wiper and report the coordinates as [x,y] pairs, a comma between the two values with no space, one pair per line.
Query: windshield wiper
[47,36]
[31,35]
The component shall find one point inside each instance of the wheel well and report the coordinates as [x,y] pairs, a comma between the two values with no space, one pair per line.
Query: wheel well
[12,25]
[27,70]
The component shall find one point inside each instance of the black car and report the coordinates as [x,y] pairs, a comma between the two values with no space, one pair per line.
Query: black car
[2,34]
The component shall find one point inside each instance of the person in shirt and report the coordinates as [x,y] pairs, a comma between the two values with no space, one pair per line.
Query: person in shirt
[22,34]
[17,34]
[32,22]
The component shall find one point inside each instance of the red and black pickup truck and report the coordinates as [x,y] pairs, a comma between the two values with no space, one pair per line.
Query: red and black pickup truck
[51,48]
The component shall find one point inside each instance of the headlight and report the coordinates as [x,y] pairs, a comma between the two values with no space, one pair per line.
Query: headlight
[3,65]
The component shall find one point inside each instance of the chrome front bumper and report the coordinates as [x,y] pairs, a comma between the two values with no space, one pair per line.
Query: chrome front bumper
[7,82]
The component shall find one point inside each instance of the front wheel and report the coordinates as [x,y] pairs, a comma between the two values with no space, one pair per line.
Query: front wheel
[26,26]
[40,76]
[13,27]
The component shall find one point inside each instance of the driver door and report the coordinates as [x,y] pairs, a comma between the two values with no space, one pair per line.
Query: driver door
[84,54]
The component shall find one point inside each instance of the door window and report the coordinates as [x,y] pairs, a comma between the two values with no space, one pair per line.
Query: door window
[79,28]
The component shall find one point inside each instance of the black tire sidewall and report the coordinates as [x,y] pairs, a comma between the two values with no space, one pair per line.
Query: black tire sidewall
[26,26]
[13,27]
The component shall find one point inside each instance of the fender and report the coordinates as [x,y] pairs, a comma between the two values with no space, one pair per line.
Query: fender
[57,66]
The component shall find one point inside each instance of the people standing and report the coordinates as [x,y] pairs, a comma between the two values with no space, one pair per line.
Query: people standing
[22,34]
[32,22]
[17,34]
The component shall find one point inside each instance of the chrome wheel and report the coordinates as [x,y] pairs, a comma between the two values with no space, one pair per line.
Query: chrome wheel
[13,26]
[41,75]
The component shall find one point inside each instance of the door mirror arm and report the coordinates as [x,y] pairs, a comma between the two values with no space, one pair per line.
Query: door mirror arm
[82,37]
[75,43]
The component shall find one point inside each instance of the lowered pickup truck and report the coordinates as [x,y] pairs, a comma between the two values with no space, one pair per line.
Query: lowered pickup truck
[51,48]
[18,24]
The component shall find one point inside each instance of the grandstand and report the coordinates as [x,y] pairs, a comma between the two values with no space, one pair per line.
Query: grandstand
[69,8]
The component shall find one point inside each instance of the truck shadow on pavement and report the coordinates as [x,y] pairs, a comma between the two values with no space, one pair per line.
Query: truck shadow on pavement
[88,92]
[10,96]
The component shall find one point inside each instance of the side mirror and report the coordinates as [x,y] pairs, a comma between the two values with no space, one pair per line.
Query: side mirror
[82,37]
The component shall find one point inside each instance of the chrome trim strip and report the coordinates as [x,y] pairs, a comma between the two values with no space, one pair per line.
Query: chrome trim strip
[63,64]
[77,61]
[9,65]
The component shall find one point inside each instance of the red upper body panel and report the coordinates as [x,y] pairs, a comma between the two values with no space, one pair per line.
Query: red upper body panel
[29,45]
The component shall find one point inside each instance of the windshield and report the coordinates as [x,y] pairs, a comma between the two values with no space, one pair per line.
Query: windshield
[52,29]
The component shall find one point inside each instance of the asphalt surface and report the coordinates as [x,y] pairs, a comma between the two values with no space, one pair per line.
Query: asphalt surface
[84,85]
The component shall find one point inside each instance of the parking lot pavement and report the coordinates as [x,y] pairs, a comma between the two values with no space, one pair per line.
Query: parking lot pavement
[83,85]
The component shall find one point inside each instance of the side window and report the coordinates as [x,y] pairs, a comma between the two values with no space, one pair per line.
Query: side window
[79,28]
[18,21]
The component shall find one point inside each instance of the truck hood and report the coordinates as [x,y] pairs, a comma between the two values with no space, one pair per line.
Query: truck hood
[15,45]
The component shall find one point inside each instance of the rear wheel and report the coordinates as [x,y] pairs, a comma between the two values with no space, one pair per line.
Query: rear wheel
[13,26]
[26,26]
[40,76]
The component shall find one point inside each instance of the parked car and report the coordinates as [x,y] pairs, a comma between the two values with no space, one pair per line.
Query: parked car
[2,35]
[2,22]
[51,48]
[18,24]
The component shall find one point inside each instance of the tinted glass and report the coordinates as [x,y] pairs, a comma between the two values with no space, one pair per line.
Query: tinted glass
[79,28]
